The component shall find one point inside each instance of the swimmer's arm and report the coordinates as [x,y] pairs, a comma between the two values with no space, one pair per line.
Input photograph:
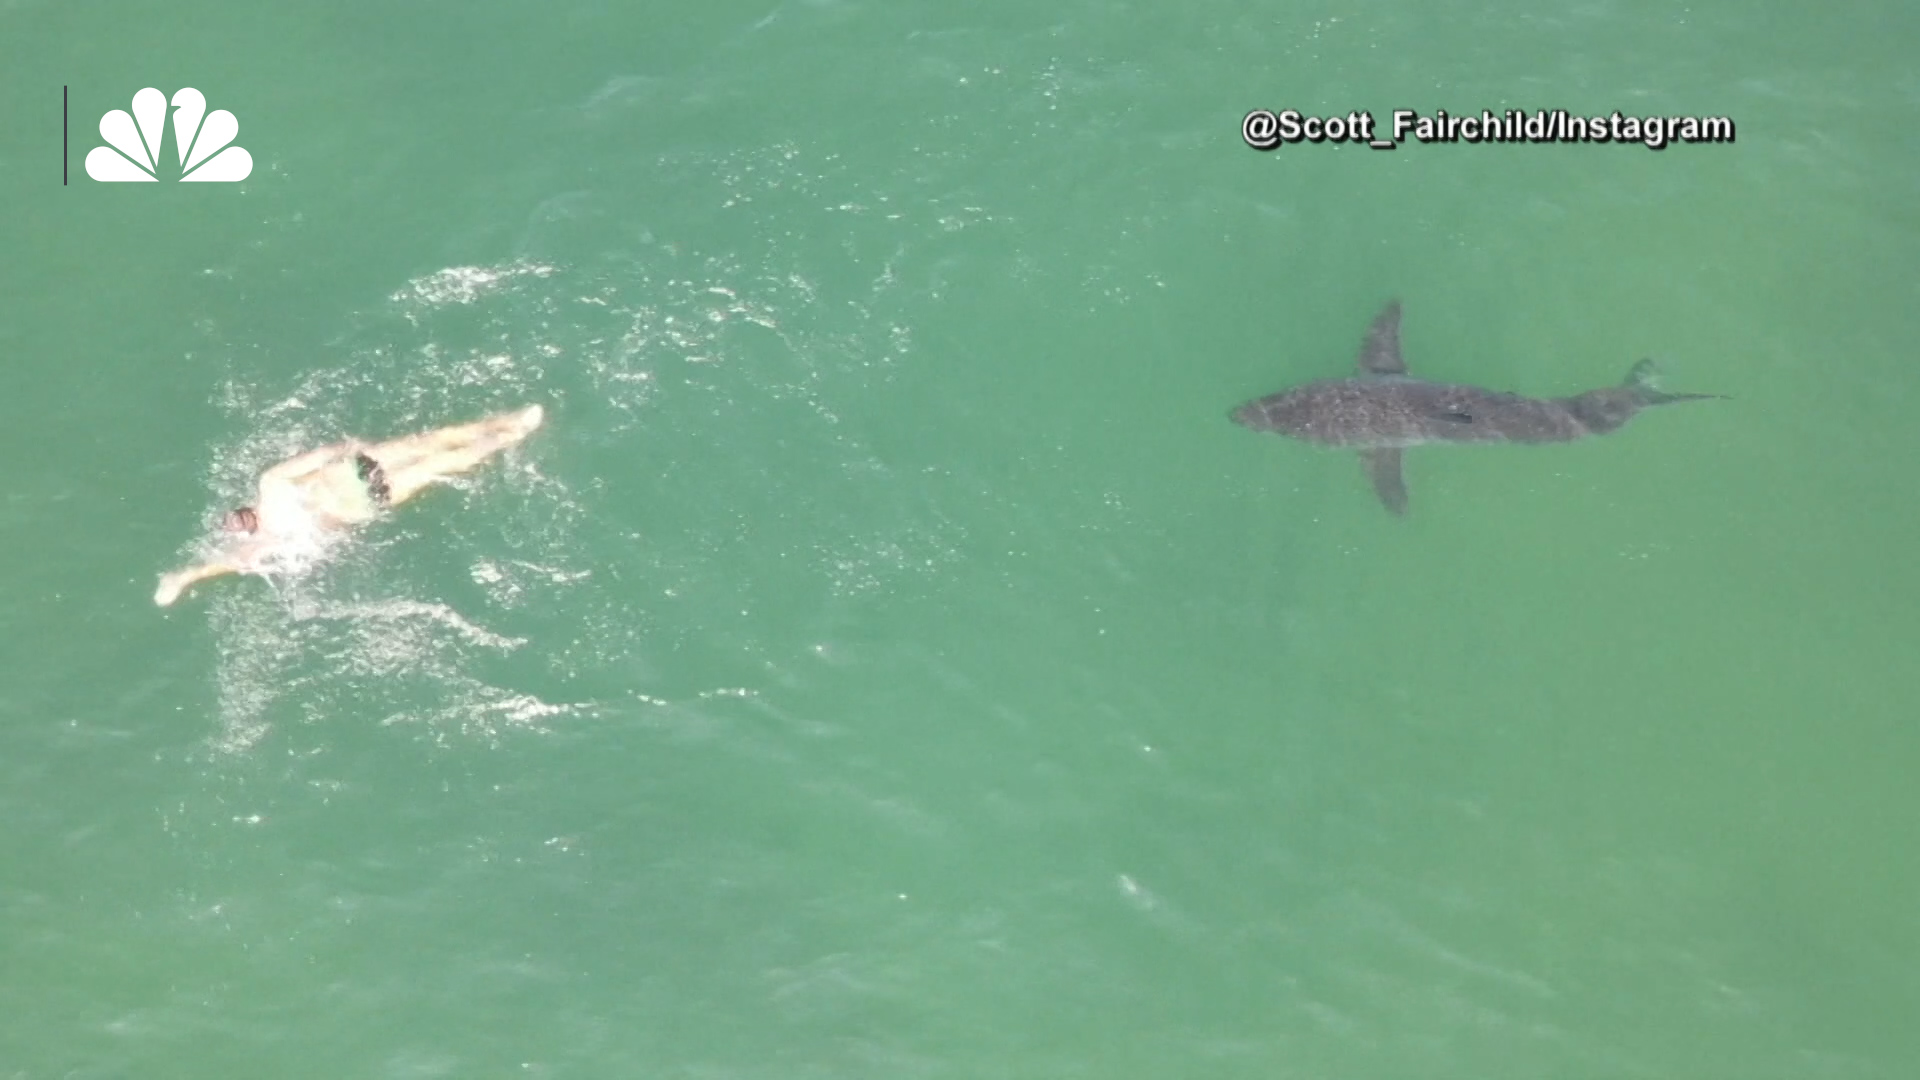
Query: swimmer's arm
[313,460]
[179,581]
[289,473]
[243,557]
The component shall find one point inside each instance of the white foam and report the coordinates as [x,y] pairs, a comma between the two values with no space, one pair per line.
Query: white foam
[466,284]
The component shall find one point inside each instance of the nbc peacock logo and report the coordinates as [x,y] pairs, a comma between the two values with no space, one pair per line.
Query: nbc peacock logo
[200,137]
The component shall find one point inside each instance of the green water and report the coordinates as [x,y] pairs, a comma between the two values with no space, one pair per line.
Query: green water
[889,662]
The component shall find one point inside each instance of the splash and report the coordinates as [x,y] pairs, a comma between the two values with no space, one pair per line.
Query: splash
[465,284]
[297,657]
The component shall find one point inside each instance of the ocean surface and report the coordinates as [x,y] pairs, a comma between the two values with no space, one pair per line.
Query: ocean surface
[889,661]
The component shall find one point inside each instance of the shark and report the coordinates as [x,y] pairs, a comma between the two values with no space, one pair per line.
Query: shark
[1380,410]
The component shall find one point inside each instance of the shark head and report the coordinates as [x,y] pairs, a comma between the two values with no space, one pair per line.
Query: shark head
[1290,412]
[1608,409]
[1250,415]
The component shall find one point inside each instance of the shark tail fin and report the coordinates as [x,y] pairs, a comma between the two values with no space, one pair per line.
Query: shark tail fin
[1644,381]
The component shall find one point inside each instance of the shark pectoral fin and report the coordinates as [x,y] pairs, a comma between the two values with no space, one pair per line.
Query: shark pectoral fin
[1380,352]
[1383,468]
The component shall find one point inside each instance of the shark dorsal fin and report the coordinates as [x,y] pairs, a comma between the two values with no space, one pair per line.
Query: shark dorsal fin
[1380,352]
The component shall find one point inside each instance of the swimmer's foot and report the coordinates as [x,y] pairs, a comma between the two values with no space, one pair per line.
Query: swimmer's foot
[508,429]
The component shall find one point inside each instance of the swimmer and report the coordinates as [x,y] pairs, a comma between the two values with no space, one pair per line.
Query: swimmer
[327,491]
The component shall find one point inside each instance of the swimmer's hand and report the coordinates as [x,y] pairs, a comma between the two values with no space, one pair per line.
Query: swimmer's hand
[171,586]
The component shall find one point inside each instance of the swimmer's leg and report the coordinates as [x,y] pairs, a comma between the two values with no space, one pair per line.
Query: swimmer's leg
[403,452]
[413,462]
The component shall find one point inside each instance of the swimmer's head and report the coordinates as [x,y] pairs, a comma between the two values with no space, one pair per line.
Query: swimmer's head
[242,520]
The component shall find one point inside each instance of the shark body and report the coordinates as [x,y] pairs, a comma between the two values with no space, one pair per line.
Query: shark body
[1381,410]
